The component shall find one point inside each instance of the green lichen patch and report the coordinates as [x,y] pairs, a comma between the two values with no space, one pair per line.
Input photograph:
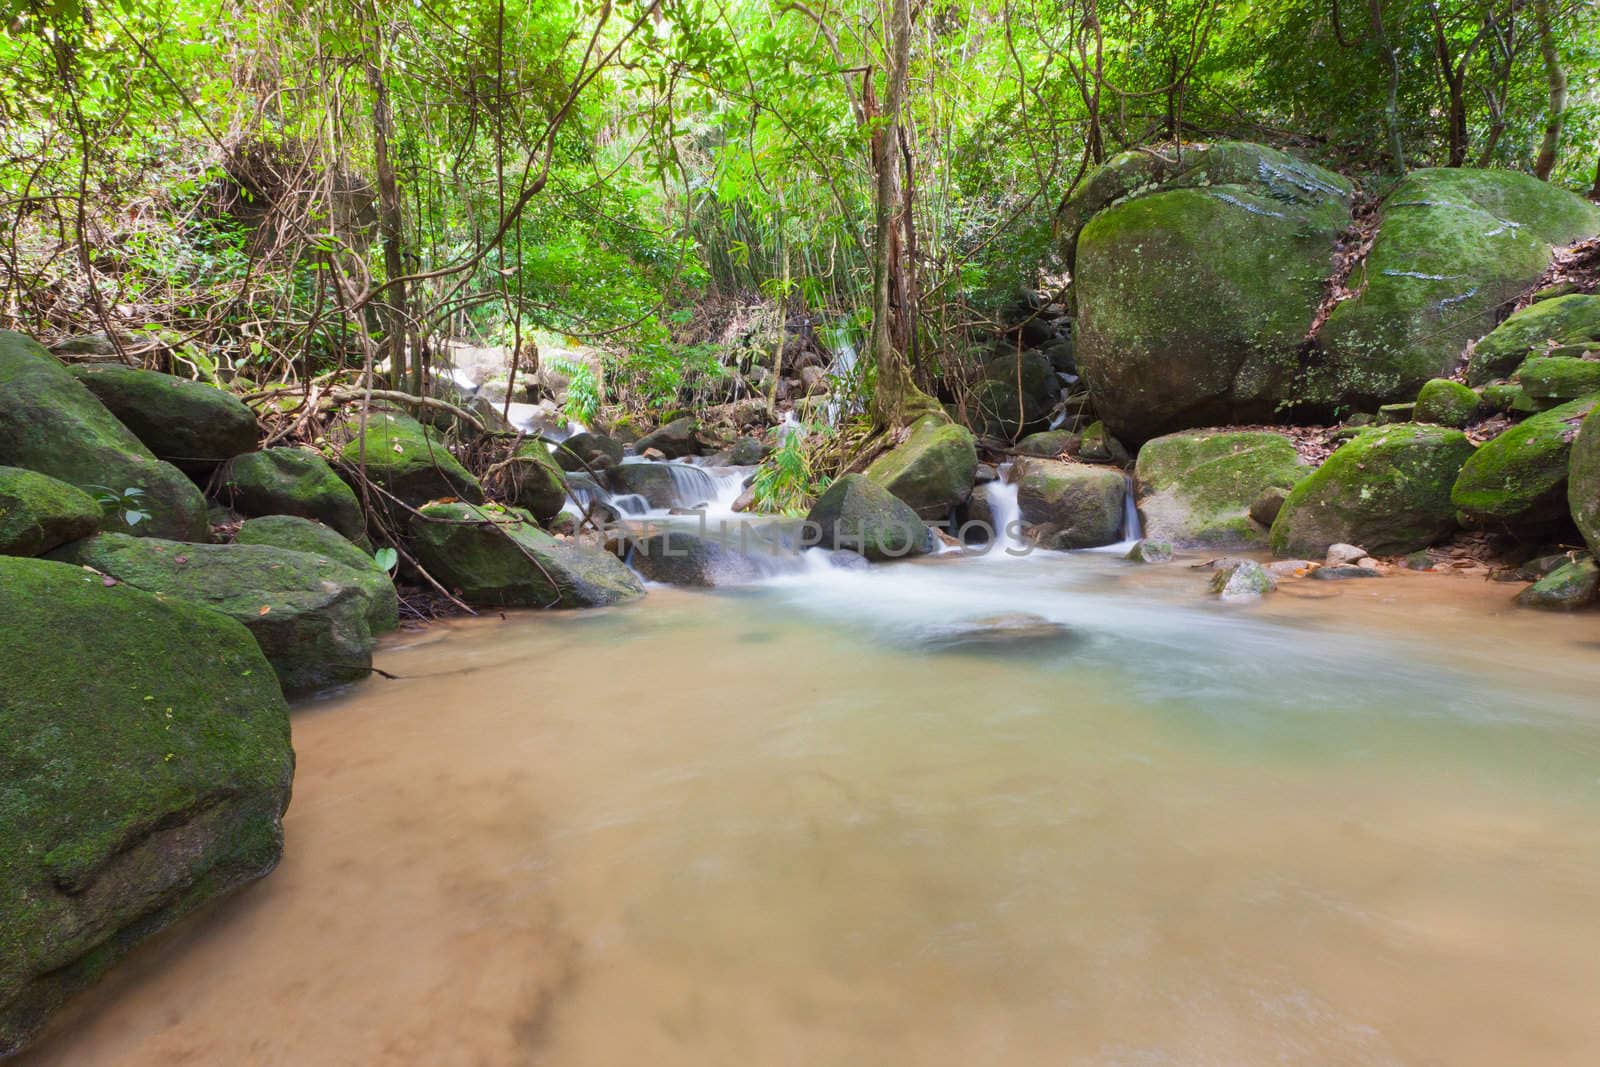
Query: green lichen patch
[858,514]
[1572,586]
[38,512]
[530,479]
[408,462]
[1559,378]
[1071,505]
[1519,478]
[1196,488]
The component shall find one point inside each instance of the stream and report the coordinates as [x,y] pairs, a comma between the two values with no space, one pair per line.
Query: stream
[806,822]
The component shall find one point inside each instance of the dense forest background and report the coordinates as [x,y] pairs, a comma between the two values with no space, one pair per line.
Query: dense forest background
[281,191]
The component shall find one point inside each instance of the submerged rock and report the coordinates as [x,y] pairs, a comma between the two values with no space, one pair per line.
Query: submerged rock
[1200,488]
[1533,331]
[308,613]
[1071,505]
[933,470]
[494,556]
[38,513]
[1519,479]
[1015,633]
[1583,485]
[51,424]
[1339,572]
[409,463]
[1387,489]
[858,514]
[304,535]
[192,425]
[146,769]
[1242,579]
[1567,588]
[292,481]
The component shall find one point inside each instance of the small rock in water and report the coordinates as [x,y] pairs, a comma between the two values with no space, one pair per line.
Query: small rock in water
[1151,552]
[846,560]
[1568,588]
[1342,553]
[985,474]
[1340,571]
[1370,563]
[652,453]
[1418,561]
[1290,568]
[1008,633]
[1242,579]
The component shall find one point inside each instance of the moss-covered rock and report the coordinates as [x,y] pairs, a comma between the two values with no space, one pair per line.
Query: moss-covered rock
[145,770]
[292,481]
[494,556]
[1195,294]
[1097,445]
[1519,478]
[1583,482]
[1388,489]
[530,479]
[51,424]
[305,535]
[1554,379]
[1445,403]
[407,462]
[1049,444]
[38,512]
[189,424]
[1571,586]
[1071,505]
[932,470]
[308,613]
[1500,396]
[858,514]
[1533,331]
[1242,579]
[674,440]
[1014,396]
[1453,245]
[588,452]
[1196,488]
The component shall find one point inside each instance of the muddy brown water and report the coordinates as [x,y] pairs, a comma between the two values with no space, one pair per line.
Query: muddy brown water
[1356,824]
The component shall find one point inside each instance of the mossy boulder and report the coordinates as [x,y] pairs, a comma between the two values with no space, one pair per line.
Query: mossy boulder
[1195,293]
[1571,586]
[1049,444]
[495,556]
[858,514]
[1014,396]
[1519,479]
[1533,331]
[932,470]
[588,452]
[38,512]
[530,479]
[1097,445]
[1196,488]
[1242,579]
[1554,379]
[305,535]
[292,481]
[1583,482]
[308,613]
[145,770]
[1444,402]
[1387,489]
[51,424]
[675,440]
[408,462]
[192,425]
[1070,505]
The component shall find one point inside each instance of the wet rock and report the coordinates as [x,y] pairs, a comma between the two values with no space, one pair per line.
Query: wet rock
[1242,579]
[1343,553]
[192,425]
[51,423]
[38,513]
[1148,551]
[985,473]
[1200,488]
[1071,505]
[1051,444]
[1533,331]
[588,452]
[1020,633]
[1014,396]
[1583,487]
[1574,585]
[292,481]
[748,452]
[304,535]
[530,479]
[1098,446]
[680,558]
[932,470]
[1343,571]
[1446,403]
[146,770]
[408,462]
[675,440]
[858,514]
[1291,568]
[1518,480]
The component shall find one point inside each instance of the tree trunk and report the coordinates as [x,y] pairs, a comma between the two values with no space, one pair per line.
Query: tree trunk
[391,229]
[1557,77]
[1391,108]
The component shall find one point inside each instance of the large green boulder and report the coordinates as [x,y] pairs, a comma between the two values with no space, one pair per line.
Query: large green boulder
[145,769]
[1453,246]
[1554,379]
[1533,331]
[51,424]
[1387,490]
[1014,396]
[1583,482]
[1196,487]
[192,425]
[1519,479]
[38,512]
[304,535]
[406,462]
[292,481]
[308,613]
[530,479]
[1195,294]
[1445,403]
[1071,505]
[858,514]
[494,556]
[932,470]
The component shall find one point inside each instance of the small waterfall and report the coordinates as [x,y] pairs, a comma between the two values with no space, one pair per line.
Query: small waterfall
[1131,530]
[692,487]
[1006,514]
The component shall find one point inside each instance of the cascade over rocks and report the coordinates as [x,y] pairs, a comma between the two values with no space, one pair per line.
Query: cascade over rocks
[858,514]
[192,425]
[292,481]
[309,614]
[1197,488]
[676,440]
[38,512]
[1583,483]
[145,772]
[933,470]
[1387,489]
[304,535]
[1071,505]
[1519,479]
[51,424]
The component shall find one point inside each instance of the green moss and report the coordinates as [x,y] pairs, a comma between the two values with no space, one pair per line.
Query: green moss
[530,479]
[1549,378]
[1583,481]
[932,470]
[1567,588]
[1196,488]
[1071,505]
[38,512]
[497,556]
[408,462]
[313,538]
[1050,444]
[145,770]
[292,481]
[1446,403]
[51,424]
[1500,396]
[1520,477]
[1533,331]
[858,514]
[192,425]
[1387,490]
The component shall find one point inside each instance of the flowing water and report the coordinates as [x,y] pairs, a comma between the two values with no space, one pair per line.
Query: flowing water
[1355,824]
